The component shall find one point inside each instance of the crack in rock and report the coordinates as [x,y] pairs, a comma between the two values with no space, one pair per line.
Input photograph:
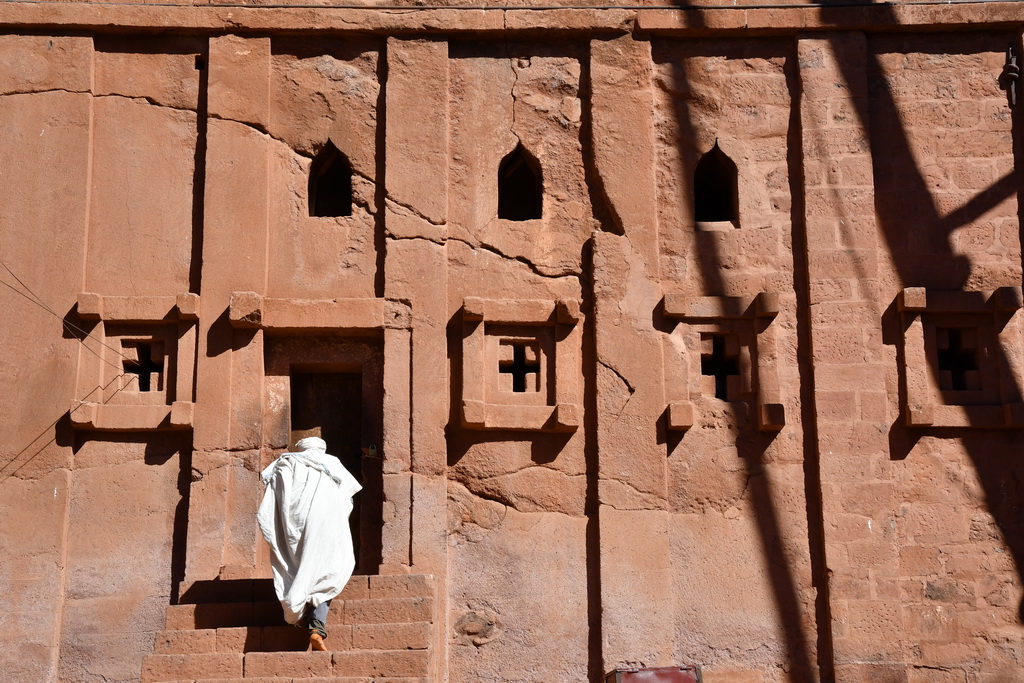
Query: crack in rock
[512,90]
[411,211]
[505,475]
[416,238]
[652,500]
[44,91]
[144,98]
[255,126]
[521,259]
[618,374]
[624,381]
[442,241]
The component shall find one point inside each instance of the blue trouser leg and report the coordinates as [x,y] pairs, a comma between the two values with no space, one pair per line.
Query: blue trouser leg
[318,618]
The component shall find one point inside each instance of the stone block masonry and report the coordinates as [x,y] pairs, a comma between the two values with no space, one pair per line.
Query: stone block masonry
[655,336]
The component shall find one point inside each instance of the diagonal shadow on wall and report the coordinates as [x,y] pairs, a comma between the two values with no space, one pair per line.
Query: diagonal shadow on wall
[751,445]
[997,470]
[993,456]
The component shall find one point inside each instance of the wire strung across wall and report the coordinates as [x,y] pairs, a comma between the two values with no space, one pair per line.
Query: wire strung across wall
[71,327]
[68,325]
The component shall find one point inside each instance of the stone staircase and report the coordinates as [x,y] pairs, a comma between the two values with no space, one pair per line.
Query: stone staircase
[380,630]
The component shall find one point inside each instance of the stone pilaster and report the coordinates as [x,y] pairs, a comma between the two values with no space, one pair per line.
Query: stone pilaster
[849,374]
[415,264]
[637,624]
[230,361]
[416,162]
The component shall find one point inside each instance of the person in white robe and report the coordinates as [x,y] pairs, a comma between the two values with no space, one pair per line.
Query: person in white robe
[304,517]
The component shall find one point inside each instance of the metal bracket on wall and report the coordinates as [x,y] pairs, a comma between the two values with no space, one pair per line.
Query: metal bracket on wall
[1010,76]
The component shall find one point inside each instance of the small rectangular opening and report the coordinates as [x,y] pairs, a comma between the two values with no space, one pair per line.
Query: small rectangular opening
[143,363]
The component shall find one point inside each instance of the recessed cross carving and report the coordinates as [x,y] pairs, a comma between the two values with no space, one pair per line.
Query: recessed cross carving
[720,365]
[524,362]
[143,365]
[955,358]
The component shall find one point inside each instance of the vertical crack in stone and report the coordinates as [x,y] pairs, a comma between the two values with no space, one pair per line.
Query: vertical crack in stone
[512,63]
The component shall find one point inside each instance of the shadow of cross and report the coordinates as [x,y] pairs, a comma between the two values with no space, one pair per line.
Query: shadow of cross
[524,362]
[143,366]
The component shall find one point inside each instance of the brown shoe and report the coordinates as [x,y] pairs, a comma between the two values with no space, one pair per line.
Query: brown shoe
[316,642]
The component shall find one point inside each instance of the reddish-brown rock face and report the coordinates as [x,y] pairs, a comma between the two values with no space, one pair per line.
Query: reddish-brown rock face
[654,336]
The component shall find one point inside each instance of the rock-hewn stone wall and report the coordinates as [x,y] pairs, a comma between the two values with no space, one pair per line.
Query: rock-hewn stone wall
[838,503]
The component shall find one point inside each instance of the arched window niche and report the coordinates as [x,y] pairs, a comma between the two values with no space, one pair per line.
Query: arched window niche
[715,191]
[330,183]
[520,186]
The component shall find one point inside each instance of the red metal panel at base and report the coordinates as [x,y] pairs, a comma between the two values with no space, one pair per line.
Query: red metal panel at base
[668,674]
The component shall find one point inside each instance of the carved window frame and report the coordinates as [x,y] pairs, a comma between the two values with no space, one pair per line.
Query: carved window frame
[555,407]
[105,406]
[715,314]
[924,403]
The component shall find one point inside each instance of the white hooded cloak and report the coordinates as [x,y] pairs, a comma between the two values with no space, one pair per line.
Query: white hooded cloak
[304,517]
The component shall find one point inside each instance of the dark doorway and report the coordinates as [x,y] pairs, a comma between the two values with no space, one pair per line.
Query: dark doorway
[330,405]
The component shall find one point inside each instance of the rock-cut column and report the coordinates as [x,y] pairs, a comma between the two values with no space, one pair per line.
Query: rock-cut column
[636,614]
[415,265]
[842,263]
[229,378]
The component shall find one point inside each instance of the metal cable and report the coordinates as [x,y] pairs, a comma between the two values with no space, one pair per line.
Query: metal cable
[71,327]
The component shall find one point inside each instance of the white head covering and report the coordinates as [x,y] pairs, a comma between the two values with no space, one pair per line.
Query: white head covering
[310,443]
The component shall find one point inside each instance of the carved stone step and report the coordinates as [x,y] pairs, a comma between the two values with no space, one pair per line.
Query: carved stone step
[239,614]
[330,679]
[383,611]
[191,667]
[372,664]
[358,588]
[342,637]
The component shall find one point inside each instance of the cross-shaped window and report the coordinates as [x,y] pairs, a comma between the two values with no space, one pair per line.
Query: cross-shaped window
[956,359]
[142,365]
[720,364]
[524,362]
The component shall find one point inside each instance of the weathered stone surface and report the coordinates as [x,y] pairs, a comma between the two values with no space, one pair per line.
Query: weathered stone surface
[507,569]
[127,212]
[636,427]
[417,127]
[36,63]
[321,93]
[634,622]
[164,72]
[523,94]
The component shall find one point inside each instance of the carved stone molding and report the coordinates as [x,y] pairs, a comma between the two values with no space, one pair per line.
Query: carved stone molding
[92,306]
[521,365]
[136,370]
[251,310]
[954,369]
[736,359]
